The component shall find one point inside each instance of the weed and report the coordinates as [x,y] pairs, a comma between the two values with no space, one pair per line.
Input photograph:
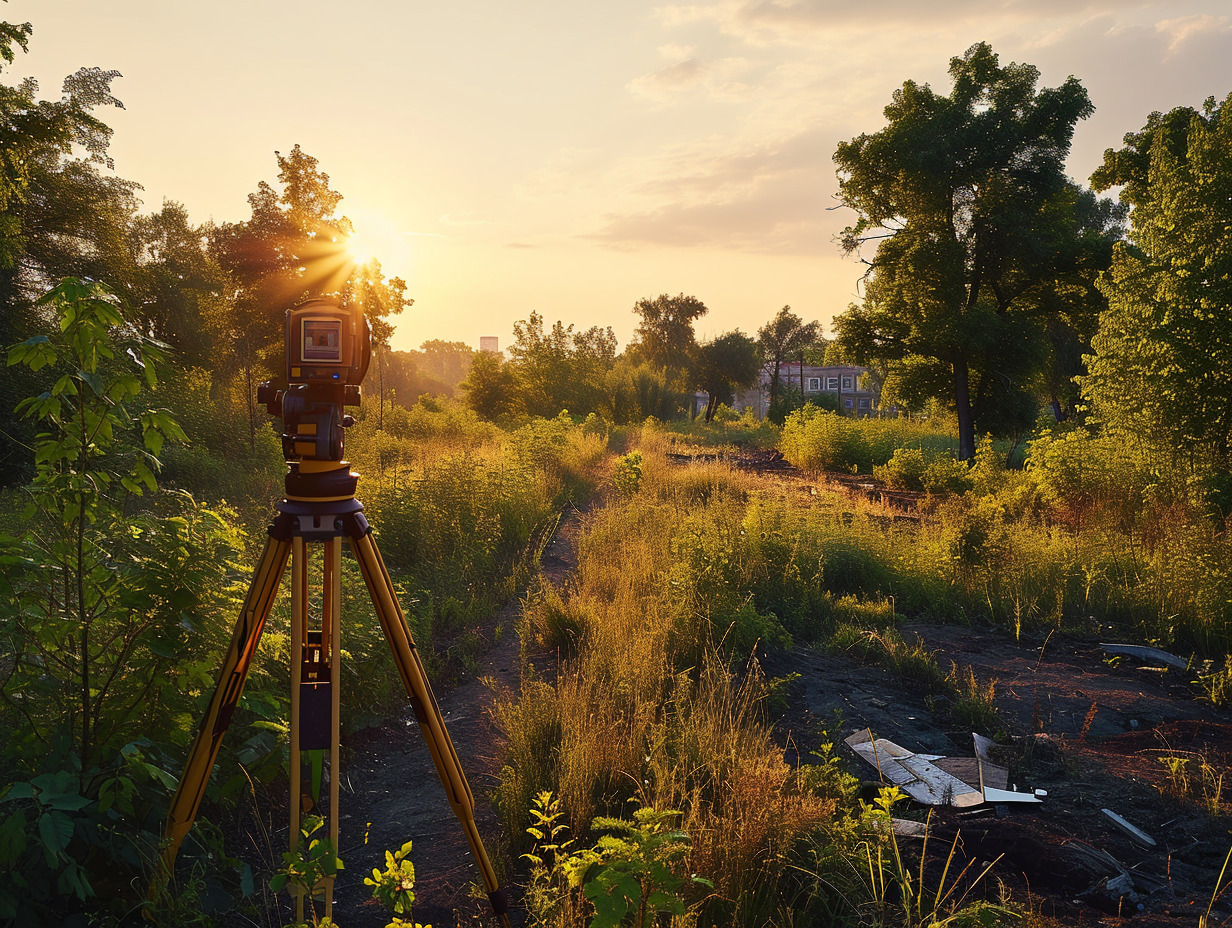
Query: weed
[631,873]
[898,891]
[1217,684]
[1203,781]
[627,474]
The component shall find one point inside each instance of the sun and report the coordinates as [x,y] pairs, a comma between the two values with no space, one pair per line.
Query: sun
[359,249]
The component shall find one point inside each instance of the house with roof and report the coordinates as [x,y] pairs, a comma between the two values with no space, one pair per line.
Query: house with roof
[855,390]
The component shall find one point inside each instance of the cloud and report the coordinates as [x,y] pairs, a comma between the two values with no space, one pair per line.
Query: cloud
[762,22]
[762,198]
[1181,30]
[719,79]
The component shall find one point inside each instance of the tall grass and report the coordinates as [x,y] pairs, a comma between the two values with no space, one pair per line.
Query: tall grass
[645,707]
[1093,534]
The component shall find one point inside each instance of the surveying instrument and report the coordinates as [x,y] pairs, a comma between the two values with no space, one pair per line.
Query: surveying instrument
[327,349]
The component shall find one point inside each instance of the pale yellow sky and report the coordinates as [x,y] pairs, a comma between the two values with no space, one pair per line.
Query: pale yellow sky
[572,157]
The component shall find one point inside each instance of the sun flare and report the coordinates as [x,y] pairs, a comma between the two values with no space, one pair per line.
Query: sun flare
[359,249]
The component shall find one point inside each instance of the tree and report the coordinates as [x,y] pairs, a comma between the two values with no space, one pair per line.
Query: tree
[175,285]
[543,359]
[724,365]
[293,247]
[1162,362]
[665,336]
[982,238]
[784,337]
[492,388]
[58,215]
[448,362]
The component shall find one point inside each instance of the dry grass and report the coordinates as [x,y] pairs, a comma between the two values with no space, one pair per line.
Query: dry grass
[636,715]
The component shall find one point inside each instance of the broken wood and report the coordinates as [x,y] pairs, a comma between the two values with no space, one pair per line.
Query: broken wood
[915,774]
[905,828]
[1133,831]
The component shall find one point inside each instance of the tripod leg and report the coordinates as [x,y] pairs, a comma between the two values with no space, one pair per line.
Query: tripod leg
[427,713]
[231,677]
[329,658]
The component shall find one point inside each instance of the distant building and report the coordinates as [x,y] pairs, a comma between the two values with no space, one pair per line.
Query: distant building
[489,343]
[850,385]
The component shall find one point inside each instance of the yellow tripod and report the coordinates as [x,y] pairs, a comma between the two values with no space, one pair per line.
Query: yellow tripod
[320,509]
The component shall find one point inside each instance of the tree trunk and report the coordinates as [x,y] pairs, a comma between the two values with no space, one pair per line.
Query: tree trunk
[962,402]
[380,369]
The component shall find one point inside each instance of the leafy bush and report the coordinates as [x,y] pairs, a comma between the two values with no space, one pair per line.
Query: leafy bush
[815,440]
[904,471]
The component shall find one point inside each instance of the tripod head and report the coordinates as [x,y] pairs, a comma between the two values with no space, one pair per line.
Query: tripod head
[328,347]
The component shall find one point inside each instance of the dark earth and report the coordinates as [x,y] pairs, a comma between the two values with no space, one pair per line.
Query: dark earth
[1095,732]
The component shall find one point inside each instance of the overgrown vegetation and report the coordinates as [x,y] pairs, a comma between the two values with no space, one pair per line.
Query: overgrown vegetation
[643,782]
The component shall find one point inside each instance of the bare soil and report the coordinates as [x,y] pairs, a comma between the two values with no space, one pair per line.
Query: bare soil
[396,795]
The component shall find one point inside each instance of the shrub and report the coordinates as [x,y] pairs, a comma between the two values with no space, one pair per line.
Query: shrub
[904,471]
[816,440]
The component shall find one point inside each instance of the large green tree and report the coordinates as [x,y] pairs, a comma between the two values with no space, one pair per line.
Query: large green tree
[784,337]
[59,214]
[664,336]
[726,364]
[982,240]
[561,369]
[1162,362]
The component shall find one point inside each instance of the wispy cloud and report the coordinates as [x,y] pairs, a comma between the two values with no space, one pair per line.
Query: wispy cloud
[719,78]
[1181,30]
[796,21]
[765,198]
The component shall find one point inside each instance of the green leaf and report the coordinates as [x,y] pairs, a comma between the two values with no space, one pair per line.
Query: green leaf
[55,830]
[18,791]
[35,353]
[12,837]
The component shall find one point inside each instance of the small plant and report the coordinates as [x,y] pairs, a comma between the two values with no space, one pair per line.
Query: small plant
[1204,783]
[395,887]
[631,872]
[549,898]
[307,865]
[1217,684]
[974,707]
[628,474]
[1178,775]
[629,877]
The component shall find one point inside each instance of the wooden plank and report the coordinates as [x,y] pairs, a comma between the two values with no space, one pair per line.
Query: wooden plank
[1133,831]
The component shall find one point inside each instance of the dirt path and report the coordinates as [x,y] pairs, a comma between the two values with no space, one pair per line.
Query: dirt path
[392,793]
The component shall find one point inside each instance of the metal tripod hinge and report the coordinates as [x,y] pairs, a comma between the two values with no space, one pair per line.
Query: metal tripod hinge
[320,509]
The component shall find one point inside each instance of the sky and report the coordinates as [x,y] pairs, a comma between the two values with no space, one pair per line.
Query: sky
[572,157]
